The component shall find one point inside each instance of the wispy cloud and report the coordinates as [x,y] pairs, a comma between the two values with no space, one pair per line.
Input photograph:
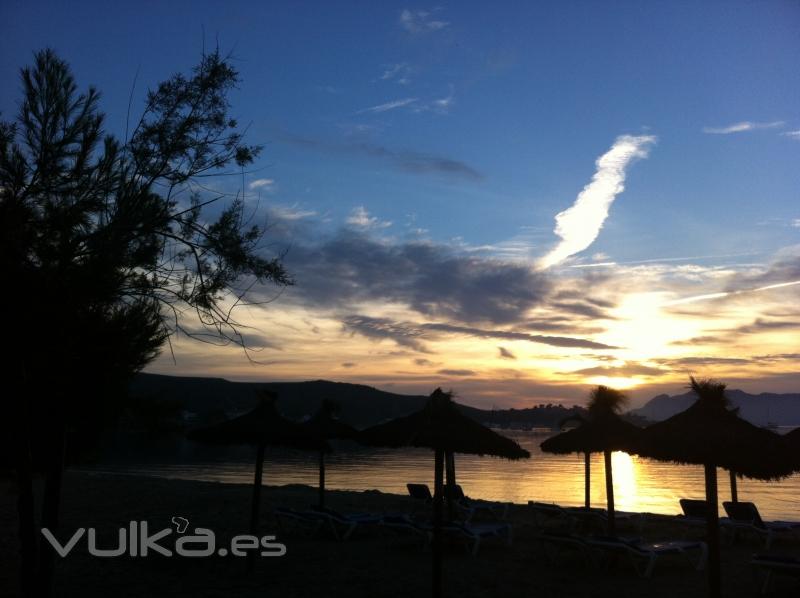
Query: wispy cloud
[439,105]
[387,106]
[421,21]
[792,134]
[721,294]
[360,218]
[266,184]
[399,73]
[451,372]
[505,353]
[579,225]
[412,334]
[293,212]
[742,127]
[411,161]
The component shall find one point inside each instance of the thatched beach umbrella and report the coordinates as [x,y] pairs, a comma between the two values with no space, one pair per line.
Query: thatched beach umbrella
[603,431]
[792,439]
[323,426]
[262,427]
[442,427]
[710,434]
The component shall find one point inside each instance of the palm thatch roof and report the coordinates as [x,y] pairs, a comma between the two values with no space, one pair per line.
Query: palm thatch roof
[441,426]
[603,430]
[261,425]
[709,432]
[325,424]
[605,433]
[792,439]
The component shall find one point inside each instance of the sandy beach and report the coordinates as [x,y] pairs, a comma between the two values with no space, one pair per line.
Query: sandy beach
[374,562]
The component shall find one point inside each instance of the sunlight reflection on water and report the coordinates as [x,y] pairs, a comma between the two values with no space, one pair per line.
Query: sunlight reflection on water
[639,484]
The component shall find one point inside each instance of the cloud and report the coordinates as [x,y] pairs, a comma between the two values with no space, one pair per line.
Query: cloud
[447,372]
[404,335]
[741,127]
[411,161]
[293,212]
[421,21]
[412,334]
[360,218]
[388,106]
[266,184]
[762,325]
[505,353]
[399,73]
[349,364]
[792,134]
[579,225]
[421,361]
[627,370]
[705,361]
[434,280]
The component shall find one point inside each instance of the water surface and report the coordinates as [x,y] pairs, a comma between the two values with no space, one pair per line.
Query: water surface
[639,484]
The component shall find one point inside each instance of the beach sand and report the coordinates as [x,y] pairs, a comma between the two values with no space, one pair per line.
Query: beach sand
[373,563]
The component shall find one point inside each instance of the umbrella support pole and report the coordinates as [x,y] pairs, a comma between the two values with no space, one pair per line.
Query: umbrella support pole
[612,527]
[450,475]
[734,489]
[437,523]
[712,521]
[256,507]
[587,471]
[322,479]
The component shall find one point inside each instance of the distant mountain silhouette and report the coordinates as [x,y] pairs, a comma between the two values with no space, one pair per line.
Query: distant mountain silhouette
[760,409]
[360,405]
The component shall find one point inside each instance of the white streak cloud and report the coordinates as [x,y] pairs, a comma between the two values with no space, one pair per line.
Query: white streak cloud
[742,127]
[579,225]
[262,184]
[421,21]
[360,218]
[388,106]
[792,134]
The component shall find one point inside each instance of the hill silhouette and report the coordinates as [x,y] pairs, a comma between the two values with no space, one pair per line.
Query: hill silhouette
[360,405]
[760,409]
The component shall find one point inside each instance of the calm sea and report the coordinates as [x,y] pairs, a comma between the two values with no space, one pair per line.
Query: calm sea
[639,484]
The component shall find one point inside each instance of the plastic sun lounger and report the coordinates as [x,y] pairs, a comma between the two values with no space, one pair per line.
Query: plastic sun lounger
[546,511]
[559,542]
[343,525]
[475,533]
[745,516]
[405,523]
[303,517]
[774,564]
[643,555]
[694,511]
[473,506]
[419,492]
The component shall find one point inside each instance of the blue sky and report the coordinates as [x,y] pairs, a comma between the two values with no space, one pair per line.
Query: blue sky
[472,125]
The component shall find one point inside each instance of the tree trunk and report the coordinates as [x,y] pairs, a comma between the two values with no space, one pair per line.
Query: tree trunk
[734,489]
[322,479]
[256,507]
[27,516]
[450,473]
[712,532]
[437,523]
[612,524]
[50,505]
[587,472]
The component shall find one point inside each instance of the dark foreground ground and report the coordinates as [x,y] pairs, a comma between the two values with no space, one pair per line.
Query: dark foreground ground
[371,564]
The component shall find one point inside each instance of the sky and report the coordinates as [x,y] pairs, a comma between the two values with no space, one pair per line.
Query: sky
[513,200]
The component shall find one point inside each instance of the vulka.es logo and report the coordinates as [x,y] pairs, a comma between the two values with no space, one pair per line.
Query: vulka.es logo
[136,540]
